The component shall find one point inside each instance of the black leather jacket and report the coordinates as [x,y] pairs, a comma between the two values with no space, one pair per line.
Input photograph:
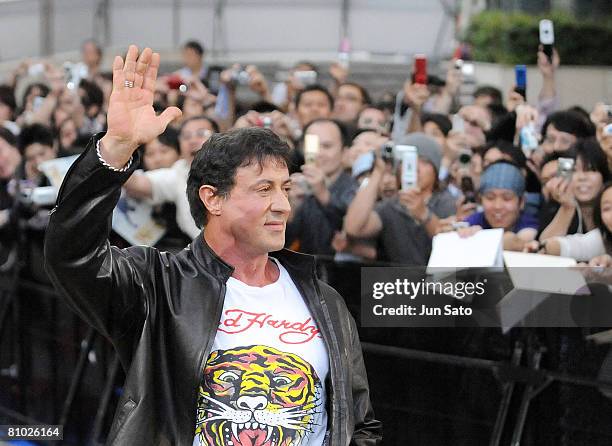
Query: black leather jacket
[161,312]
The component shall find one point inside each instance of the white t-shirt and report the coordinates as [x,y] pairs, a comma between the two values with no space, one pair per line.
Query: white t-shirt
[264,381]
[169,185]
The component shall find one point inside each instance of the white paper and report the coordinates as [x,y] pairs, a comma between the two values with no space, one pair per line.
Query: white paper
[56,169]
[481,250]
[132,220]
[526,273]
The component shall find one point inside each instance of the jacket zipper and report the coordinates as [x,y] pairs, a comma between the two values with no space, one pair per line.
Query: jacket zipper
[206,350]
[333,366]
[338,430]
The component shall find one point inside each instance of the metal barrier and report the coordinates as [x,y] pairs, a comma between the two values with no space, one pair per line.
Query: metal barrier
[519,370]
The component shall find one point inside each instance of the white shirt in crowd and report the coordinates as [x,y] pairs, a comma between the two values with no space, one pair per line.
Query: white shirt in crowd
[170,185]
[264,381]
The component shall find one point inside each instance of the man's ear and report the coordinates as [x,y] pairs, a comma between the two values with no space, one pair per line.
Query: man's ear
[522,203]
[212,201]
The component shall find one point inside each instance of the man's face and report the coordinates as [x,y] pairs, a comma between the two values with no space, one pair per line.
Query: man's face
[35,154]
[256,211]
[388,185]
[558,141]
[431,129]
[191,58]
[501,208]
[5,112]
[313,105]
[549,171]
[349,103]
[90,54]
[426,174]
[372,118]
[329,158]
[193,135]
[158,155]
[9,159]
[68,133]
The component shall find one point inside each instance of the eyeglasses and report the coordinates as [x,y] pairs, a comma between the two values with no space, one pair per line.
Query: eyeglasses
[200,133]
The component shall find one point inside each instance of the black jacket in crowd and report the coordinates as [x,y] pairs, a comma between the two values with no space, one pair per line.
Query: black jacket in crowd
[161,311]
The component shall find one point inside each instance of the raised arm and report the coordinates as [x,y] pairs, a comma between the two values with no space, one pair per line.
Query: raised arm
[106,286]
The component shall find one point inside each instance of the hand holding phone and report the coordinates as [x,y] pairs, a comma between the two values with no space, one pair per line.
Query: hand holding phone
[547,38]
[420,69]
[311,148]
[520,73]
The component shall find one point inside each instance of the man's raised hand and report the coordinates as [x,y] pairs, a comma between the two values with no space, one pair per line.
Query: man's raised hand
[131,119]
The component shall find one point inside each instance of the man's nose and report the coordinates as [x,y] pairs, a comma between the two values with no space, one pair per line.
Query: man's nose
[280,203]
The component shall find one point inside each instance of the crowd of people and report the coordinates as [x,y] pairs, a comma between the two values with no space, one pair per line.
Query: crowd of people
[538,172]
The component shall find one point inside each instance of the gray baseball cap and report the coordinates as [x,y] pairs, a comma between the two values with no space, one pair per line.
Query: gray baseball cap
[427,147]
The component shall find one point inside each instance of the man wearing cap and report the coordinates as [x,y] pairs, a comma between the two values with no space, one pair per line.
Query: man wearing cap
[403,224]
[502,186]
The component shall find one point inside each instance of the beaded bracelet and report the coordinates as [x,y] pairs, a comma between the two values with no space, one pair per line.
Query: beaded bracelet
[105,164]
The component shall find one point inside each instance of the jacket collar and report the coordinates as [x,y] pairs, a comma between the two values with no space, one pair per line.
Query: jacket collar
[210,261]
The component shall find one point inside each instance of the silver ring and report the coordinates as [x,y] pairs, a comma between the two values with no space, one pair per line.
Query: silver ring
[128,84]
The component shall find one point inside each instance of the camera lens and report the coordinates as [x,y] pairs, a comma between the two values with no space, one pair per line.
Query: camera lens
[465,158]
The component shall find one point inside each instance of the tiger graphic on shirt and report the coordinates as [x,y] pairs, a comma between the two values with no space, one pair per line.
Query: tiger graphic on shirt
[257,396]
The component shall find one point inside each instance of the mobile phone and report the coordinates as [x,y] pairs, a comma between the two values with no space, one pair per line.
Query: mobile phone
[37,102]
[547,37]
[174,82]
[409,158]
[466,68]
[520,73]
[420,69]
[565,168]
[363,164]
[458,124]
[311,148]
[306,77]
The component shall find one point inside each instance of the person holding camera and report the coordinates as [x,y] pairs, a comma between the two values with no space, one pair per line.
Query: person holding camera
[403,224]
[573,191]
[328,191]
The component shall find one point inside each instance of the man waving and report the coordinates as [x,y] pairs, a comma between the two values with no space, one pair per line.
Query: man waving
[231,341]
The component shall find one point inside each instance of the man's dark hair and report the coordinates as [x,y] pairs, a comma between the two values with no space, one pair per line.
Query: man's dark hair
[169,138]
[44,91]
[497,112]
[365,96]
[96,45]
[35,133]
[507,148]
[7,97]
[314,87]
[489,90]
[264,107]
[94,96]
[442,121]
[212,122]
[8,136]
[345,135]
[195,46]
[311,66]
[221,156]
[570,121]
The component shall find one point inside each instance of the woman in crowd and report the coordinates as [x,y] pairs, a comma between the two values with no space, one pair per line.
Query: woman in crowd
[573,194]
[590,246]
